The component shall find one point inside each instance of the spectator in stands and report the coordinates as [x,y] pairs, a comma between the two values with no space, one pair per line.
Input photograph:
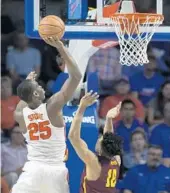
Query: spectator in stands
[146,84]
[106,63]
[155,106]
[122,89]
[8,104]
[128,123]
[22,59]
[138,153]
[151,177]
[14,156]
[4,186]
[52,64]
[161,135]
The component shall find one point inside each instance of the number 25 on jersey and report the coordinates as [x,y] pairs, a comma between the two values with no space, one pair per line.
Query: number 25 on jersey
[39,131]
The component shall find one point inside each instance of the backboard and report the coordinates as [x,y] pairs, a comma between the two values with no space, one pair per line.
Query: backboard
[81,19]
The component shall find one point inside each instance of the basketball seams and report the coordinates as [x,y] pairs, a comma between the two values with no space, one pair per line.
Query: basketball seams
[50,26]
[62,26]
[55,18]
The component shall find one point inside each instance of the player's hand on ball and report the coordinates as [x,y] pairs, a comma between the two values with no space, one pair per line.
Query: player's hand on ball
[54,41]
[114,112]
[89,99]
[31,76]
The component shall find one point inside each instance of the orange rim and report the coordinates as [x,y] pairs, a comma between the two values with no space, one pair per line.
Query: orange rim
[141,17]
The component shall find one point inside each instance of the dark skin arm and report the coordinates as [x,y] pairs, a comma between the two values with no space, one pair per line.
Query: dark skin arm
[93,167]
[58,100]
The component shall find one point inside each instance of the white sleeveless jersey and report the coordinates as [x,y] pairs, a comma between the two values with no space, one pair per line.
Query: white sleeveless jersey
[45,142]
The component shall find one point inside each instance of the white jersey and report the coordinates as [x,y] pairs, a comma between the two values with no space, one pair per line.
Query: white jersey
[45,142]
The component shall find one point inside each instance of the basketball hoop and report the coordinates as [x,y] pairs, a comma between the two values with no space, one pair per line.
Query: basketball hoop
[134,32]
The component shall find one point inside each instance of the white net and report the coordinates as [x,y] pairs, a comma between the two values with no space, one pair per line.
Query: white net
[134,33]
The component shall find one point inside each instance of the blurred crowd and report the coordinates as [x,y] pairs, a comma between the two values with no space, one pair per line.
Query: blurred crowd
[143,123]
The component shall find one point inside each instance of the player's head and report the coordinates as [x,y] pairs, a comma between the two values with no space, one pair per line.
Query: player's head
[109,145]
[31,92]
[128,109]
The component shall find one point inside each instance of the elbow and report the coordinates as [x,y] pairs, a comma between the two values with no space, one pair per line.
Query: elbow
[78,76]
[71,136]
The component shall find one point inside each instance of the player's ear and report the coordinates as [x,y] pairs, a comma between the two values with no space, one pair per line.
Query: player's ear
[36,94]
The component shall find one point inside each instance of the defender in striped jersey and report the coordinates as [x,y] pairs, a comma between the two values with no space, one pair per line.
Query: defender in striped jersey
[102,169]
[44,130]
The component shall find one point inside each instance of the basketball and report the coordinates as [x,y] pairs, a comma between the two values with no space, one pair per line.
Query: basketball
[51,25]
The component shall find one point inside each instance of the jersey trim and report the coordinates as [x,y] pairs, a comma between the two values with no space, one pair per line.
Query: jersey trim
[84,184]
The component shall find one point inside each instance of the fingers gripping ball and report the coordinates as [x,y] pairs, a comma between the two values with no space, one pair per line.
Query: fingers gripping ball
[51,25]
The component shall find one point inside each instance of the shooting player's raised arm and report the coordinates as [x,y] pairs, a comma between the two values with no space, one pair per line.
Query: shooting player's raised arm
[58,100]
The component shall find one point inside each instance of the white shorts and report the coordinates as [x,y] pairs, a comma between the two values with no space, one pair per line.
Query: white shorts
[42,178]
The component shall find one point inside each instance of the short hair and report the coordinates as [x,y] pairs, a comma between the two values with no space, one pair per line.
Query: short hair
[153,146]
[138,131]
[111,145]
[25,90]
[128,101]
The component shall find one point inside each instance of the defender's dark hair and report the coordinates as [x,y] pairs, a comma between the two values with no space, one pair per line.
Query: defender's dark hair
[25,90]
[111,145]
[128,101]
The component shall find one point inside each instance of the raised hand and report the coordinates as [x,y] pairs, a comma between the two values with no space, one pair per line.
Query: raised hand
[31,76]
[114,112]
[53,41]
[89,99]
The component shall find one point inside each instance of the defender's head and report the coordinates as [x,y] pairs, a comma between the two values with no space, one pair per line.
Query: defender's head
[31,92]
[109,145]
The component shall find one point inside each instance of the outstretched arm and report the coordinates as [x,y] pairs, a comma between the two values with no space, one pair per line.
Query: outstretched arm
[112,113]
[21,105]
[58,100]
[87,156]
